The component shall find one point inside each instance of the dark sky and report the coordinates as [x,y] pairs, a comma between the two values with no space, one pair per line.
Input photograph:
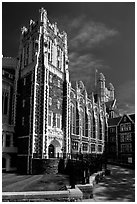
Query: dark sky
[100,36]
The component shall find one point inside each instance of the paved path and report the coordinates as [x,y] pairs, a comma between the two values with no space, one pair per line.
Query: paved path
[46,182]
[118,187]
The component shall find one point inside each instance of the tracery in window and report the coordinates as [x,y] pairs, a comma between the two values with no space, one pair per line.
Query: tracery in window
[73,119]
[82,121]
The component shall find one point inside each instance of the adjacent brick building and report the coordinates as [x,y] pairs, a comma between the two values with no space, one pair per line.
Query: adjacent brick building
[9,146]
[121,139]
[126,139]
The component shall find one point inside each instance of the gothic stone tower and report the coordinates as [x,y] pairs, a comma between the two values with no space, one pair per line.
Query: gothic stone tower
[42,87]
[105,94]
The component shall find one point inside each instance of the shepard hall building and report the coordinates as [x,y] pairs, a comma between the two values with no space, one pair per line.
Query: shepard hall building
[44,117]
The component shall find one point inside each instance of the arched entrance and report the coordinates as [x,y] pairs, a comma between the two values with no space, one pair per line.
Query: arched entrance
[54,149]
[51,151]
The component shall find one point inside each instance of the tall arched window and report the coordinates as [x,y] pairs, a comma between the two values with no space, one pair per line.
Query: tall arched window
[100,129]
[73,119]
[82,121]
[94,126]
[90,125]
[86,124]
[77,121]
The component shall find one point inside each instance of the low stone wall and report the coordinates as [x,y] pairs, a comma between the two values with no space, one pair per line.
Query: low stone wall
[96,177]
[87,190]
[43,196]
[80,192]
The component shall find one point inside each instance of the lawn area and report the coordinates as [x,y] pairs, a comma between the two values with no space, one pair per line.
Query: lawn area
[18,183]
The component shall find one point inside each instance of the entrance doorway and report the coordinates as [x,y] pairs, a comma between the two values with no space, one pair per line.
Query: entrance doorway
[51,151]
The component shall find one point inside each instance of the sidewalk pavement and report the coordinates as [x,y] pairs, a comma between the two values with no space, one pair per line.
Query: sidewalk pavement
[118,187]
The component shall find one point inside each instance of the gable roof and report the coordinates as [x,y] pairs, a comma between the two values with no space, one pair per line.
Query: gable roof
[132,116]
[114,121]
[129,118]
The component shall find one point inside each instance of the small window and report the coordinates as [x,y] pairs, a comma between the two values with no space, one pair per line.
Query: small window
[129,126]
[10,76]
[121,127]
[122,138]
[50,119]
[85,147]
[50,78]
[99,148]
[8,138]
[49,56]
[75,145]
[93,148]
[58,83]
[32,77]
[50,101]
[58,118]
[22,121]
[24,82]
[125,119]
[58,104]
[23,103]
[58,64]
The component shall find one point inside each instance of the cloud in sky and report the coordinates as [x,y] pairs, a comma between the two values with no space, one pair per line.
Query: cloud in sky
[126,97]
[82,67]
[85,32]
[85,35]
[90,34]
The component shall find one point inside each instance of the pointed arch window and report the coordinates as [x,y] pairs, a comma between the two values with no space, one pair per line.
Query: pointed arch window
[86,124]
[100,129]
[82,121]
[94,127]
[73,119]
[90,124]
[50,118]
[77,121]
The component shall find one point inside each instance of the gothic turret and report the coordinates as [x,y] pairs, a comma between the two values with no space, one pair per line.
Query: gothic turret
[101,87]
[111,91]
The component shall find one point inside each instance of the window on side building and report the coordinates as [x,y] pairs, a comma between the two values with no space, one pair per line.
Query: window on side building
[8,140]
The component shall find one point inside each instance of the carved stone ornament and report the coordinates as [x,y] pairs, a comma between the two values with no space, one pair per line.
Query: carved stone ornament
[81,86]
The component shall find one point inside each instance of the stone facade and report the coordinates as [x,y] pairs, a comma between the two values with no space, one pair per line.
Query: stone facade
[51,118]
[87,122]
